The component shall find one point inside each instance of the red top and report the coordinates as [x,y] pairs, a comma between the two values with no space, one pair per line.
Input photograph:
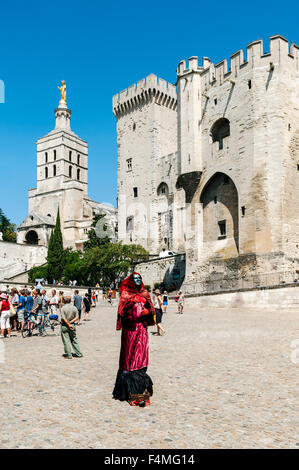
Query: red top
[5,305]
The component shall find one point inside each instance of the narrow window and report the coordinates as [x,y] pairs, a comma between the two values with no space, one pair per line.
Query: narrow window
[289,127]
[215,101]
[78,159]
[249,84]
[70,171]
[46,172]
[70,155]
[54,170]
[129,164]
[134,126]
[46,157]
[135,190]
[54,155]
[130,224]
[297,167]
[215,200]
[222,227]
[78,174]
[243,208]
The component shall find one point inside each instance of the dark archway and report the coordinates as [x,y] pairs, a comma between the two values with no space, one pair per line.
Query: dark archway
[220,209]
[163,189]
[31,237]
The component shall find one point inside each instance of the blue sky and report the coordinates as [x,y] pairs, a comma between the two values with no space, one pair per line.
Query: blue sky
[100,48]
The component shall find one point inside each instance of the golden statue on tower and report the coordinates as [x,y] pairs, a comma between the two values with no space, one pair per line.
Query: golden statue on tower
[62,93]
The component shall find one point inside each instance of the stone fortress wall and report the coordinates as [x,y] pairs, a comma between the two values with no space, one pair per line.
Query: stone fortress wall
[231,201]
[260,99]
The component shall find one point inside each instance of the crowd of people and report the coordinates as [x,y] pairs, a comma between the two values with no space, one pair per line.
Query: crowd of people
[17,305]
[137,310]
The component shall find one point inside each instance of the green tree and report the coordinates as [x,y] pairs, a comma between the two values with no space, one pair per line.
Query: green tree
[111,262]
[7,228]
[38,272]
[93,240]
[56,253]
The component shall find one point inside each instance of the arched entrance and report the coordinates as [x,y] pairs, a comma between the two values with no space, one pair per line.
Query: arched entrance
[31,237]
[220,211]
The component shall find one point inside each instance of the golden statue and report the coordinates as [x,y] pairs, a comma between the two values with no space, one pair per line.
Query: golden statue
[62,89]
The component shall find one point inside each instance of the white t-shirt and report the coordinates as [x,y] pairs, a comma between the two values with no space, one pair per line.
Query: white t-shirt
[54,300]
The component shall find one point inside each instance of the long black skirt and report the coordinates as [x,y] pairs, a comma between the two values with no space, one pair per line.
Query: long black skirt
[135,381]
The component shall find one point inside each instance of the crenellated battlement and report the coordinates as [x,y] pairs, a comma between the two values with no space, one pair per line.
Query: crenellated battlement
[281,53]
[146,89]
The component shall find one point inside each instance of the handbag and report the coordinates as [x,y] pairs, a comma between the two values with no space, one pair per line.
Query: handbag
[12,310]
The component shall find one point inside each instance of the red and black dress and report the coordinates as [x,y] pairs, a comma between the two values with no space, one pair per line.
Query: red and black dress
[135,313]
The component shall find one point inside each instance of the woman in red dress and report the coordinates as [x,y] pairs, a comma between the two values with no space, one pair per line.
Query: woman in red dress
[135,313]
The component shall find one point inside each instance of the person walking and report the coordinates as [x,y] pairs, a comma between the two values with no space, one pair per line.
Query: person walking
[135,313]
[181,301]
[110,295]
[69,316]
[5,315]
[93,299]
[159,313]
[165,301]
[86,304]
[78,304]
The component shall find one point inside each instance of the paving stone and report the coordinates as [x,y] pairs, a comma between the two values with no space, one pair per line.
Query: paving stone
[223,378]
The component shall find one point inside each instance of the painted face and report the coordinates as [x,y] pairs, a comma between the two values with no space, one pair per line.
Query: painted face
[137,279]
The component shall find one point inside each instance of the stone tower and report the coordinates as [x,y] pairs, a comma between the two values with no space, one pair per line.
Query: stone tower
[62,181]
[147,162]
[242,140]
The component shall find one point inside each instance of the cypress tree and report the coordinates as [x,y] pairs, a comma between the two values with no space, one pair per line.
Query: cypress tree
[55,256]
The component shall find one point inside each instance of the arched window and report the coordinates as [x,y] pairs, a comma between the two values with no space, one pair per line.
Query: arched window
[31,237]
[70,171]
[163,190]
[46,172]
[220,130]
[70,155]
[78,174]
[54,170]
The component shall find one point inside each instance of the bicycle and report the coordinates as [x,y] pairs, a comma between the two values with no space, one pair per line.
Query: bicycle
[44,326]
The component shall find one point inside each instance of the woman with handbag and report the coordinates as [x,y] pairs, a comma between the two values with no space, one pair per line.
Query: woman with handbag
[135,313]
[5,315]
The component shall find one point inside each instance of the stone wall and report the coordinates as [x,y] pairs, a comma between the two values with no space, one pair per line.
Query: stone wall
[283,298]
[169,270]
[16,259]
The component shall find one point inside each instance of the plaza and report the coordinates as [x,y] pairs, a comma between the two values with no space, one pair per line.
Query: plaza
[223,378]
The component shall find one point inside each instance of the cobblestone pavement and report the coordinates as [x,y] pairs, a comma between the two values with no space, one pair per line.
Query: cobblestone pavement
[222,379]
